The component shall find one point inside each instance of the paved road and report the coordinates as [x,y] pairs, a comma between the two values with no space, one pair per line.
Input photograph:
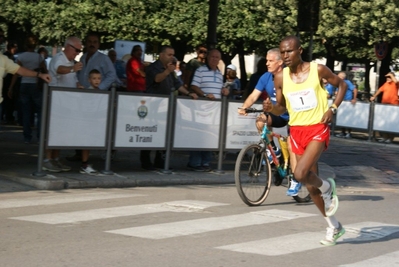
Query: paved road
[191,225]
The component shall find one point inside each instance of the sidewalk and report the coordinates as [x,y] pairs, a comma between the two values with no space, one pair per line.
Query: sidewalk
[351,160]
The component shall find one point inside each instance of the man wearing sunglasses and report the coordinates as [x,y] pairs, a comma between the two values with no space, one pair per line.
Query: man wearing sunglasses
[194,64]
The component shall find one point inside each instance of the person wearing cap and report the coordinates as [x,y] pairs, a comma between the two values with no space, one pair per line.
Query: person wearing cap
[389,92]
[236,80]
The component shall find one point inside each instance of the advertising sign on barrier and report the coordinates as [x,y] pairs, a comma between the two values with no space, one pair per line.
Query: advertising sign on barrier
[241,130]
[353,115]
[197,124]
[141,121]
[386,118]
[78,119]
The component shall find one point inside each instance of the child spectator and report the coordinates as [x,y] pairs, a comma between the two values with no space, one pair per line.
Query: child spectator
[94,80]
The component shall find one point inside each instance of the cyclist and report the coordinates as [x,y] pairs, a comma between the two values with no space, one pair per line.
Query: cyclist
[299,90]
[265,90]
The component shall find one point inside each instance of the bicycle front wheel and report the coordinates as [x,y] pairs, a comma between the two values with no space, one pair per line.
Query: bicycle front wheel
[252,175]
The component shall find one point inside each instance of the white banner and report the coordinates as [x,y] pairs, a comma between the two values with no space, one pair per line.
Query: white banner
[197,124]
[241,130]
[386,118]
[78,118]
[353,116]
[141,121]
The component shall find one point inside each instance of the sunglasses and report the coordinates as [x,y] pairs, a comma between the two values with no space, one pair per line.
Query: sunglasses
[76,50]
[202,52]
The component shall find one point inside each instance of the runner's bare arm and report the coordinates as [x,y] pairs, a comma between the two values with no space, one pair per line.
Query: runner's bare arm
[334,80]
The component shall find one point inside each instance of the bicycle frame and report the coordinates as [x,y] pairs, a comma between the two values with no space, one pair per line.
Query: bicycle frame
[282,170]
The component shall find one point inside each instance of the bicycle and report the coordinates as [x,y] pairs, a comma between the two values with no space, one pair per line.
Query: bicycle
[253,171]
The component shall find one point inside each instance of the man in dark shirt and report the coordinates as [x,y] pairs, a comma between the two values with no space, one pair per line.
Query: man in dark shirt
[161,79]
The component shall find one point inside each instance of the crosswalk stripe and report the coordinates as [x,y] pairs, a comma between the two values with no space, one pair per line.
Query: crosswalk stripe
[387,260]
[61,199]
[281,245]
[183,228]
[96,214]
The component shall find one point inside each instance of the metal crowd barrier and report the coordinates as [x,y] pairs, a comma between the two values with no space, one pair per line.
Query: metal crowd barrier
[111,120]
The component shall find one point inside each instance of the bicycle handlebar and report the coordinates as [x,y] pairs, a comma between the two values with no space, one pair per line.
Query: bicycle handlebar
[252,110]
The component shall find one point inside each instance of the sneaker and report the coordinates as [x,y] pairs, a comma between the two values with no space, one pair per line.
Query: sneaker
[330,199]
[332,235]
[196,168]
[51,166]
[88,170]
[62,166]
[206,168]
[348,136]
[340,135]
[294,188]
[388,141]
[382,140]
[269,154]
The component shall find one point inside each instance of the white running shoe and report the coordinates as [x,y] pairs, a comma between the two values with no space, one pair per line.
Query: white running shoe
[332,235]
[88,170]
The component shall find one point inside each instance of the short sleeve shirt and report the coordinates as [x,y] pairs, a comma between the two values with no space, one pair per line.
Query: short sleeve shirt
[210,81]
[166,86]
[62,80]
[6,66]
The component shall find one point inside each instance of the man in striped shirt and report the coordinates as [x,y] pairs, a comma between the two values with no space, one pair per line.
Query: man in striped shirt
[208,80]
[208,83]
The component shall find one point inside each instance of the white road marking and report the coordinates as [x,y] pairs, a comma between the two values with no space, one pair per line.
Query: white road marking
[61,198]
[282,245]
[190,227]
[96,214]
[386,260]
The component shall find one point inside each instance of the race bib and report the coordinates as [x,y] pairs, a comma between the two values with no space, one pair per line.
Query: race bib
[303,100]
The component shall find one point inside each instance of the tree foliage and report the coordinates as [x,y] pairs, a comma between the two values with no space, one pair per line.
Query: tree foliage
[347,31]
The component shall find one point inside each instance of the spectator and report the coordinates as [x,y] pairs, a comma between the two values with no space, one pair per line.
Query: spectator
[93,59]
[135,71]
[207,82]
[331,90]
[63,69]
[120,69]
[95,81]
[8,66]
[230,84]
[261,68]
[194,64]
[389,92]
[9,103]
[350,95]
[236,80]
[161,79]
[30,94]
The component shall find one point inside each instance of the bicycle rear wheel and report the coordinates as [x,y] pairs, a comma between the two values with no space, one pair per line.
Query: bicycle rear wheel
[252,178]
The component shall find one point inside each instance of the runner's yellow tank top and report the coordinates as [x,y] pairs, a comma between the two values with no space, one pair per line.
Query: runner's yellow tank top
[306,102]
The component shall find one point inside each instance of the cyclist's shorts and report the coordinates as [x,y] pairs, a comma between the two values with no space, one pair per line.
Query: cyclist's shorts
[277,121]
[301,136]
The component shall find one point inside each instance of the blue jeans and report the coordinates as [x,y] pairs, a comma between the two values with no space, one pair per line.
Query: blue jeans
[200,158]
[31,100]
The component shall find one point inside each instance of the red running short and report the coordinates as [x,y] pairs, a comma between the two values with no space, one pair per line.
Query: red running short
[301,136]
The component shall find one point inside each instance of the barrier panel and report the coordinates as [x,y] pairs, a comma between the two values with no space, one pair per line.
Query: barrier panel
[78,118]
[386,118]
[353,116]
[197,124]
[140,121]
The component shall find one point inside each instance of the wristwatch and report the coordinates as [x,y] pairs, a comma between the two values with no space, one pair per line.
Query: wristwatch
[72,70]
[333,108]
[205,95]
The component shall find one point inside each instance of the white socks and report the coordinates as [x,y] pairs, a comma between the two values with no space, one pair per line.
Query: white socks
[332,222]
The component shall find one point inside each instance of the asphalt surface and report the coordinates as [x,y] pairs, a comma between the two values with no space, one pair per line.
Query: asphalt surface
[355,163]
